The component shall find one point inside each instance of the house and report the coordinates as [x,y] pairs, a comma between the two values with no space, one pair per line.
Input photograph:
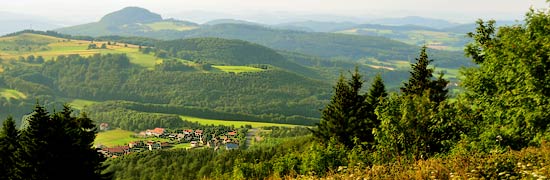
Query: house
[180,136]
[187,131]
[117,151]
[198,133]
[136,144]
[103,126]
[232,133]
[155,132]
[153,145]
[194,144]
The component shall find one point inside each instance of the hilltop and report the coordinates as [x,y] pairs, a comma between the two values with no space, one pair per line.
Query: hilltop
[324,45]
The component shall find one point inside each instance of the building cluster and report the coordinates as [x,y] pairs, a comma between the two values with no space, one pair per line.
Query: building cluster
[197,138]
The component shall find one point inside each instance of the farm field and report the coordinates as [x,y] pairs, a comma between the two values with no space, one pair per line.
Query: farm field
[51,47]
[9,94]
[182,146]
[237,69]
[114,137]
[119,137]
[168,25]
[80,103]
[204,121]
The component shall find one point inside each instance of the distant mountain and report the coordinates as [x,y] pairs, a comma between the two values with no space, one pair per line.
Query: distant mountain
[413,34]
[11,22]
[230,21]
[471,27]
[127,22]
[325,45]
[415,20]
[316,26]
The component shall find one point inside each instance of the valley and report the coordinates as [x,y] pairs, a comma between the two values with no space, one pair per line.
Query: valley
[133,94]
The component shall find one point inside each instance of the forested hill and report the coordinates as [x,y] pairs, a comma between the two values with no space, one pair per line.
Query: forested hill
[203,77]
[326,45]
[230,52]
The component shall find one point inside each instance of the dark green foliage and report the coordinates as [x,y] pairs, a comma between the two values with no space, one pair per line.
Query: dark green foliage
[417,127]
[9,145]
[421,80]
[347,119]
[376,93]
[59,146]
[510,88]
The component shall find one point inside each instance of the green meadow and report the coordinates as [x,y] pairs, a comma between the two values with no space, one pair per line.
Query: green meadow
[117,137]
[237,69]
[217,122]
[168,25]
[9,94]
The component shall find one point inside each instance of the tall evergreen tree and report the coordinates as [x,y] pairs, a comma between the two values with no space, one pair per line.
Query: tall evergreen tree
[335,116]
[377,91]
[358,122]
[9,145]
[59,146]
[34,152]
[347,116]
[422,81]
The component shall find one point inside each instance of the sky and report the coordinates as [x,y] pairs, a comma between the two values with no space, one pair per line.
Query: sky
[77,11]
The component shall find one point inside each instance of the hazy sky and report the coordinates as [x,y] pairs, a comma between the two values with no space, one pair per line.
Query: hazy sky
[455,10]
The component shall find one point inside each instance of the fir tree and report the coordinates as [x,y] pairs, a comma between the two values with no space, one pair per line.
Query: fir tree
[421,80]
[335,115]
[377,91]
[9,145]
[358,122]
[59,146]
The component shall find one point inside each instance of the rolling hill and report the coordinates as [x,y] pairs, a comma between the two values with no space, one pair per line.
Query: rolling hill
[325,45]
[221,82]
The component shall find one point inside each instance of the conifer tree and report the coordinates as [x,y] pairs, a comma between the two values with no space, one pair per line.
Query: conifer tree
[377,91]
[59,146]
[421,80]
[335,115]
[358,121]
[9,144]
[346,118]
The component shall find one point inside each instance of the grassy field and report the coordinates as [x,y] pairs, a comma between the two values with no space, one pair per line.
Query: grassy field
[167,25]
[182,146]
[52,47]
[204,121]
[238,69]
[80,103]
[9,94]
[115,137]
[119,137]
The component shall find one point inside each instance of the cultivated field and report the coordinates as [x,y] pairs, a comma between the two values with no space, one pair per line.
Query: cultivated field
[115,137]
[167,25]
[204,121]
[9,94]
[51,47]
[237,69]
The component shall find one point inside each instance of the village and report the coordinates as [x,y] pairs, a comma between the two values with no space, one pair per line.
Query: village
[214,137]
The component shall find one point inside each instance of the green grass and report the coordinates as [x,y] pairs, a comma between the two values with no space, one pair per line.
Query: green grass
[117,137]
[182,146]
[238,69]
[205,121]
[10,94]
[81,103]
[57,46]
[167,25]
